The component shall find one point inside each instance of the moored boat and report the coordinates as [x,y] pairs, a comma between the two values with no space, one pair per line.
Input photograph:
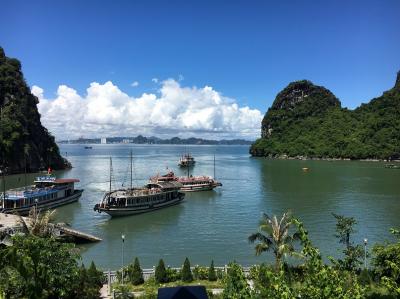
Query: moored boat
[131,201]
[189,183]
[186,160]
[153,196]
[47,192]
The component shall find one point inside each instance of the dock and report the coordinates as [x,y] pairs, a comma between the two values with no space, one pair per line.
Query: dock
[10,224]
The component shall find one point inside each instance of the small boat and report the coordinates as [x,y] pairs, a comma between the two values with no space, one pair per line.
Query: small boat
[305,169]
[47,192]
[189,183]
[186,160]
[392,166]
[132,201]
[88,147]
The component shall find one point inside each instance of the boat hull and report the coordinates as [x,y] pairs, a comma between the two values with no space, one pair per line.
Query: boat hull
[126,211]
[46,205]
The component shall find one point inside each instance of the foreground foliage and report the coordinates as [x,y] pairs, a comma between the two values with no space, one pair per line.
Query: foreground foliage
[36,267]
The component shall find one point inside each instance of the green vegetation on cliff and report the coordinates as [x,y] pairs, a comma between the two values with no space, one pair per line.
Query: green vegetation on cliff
[308,120]
[23,139]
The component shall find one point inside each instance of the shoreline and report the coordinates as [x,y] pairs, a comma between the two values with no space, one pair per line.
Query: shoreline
[304,158]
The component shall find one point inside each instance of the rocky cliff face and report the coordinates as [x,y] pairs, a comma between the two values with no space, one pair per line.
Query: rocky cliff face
[298,100]
[307,120]
[24,142]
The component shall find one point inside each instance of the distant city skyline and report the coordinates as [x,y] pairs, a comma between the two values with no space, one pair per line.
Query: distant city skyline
[207,69]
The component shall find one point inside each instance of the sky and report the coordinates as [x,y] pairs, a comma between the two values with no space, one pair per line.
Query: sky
[209,69]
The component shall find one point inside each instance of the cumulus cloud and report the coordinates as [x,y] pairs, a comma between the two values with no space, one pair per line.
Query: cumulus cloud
[175,111]
[154,80]
[135,84]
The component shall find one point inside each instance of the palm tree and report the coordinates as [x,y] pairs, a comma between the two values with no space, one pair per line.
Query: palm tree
[38,224]
[274,235]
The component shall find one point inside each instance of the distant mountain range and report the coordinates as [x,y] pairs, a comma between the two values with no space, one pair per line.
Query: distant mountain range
[307,121]
[154,140]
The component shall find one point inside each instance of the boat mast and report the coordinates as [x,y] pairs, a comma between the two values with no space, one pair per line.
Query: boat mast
[214,168]
[131,168]
[110,172]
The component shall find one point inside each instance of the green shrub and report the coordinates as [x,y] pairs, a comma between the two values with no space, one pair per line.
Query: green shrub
[212,276]
[200,273]
[186,274]
[135,273]
[173,275]
[161,273]
[235,283]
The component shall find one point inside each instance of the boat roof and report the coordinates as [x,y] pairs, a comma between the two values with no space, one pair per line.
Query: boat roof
[54,180]
[167,184]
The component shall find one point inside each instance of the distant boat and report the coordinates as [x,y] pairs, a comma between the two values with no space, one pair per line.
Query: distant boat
[131,201]
[47,192]
[393,166]
[305,169]
[189,183]
[186,160]
[88,147]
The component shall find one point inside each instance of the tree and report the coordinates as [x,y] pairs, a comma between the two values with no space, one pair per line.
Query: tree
[274,235]
[353,253]
[161,274]
[47,268]
[135,273]
[212,276]
[38,224]
[186,272]
[235,282]
[387,263]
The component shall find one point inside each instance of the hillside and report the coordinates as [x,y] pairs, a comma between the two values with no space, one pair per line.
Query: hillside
[22,136]
[308,120]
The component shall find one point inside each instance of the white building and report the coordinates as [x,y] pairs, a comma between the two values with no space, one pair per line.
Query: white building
[103,141]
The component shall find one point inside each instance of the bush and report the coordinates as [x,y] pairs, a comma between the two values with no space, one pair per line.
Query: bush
[200,273]
[235,283]
[212,276]
[135,273]
[186,274]
[161,273]
[173,275]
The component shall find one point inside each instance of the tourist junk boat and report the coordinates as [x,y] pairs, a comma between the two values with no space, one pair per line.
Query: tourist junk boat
[131,201]
[189,183]
[186,160]
[47,192]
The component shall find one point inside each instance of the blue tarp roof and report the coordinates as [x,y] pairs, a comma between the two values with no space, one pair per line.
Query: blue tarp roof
[185,292]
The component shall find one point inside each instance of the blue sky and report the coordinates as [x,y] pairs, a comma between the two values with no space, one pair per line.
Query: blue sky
[245,50]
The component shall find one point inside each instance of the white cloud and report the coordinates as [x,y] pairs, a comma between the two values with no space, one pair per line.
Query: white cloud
[180,77]
[154,80]
[135,84]
[175,111]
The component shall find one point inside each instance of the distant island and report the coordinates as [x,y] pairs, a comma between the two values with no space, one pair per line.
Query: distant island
[154,140]
[24,143]
[307,121]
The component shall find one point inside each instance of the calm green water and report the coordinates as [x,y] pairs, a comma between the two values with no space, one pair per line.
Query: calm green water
[216,224]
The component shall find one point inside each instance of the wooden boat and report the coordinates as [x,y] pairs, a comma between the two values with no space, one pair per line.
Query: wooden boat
[392,166]
[132,201]
[190,183]
[186,160]
[47,192]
